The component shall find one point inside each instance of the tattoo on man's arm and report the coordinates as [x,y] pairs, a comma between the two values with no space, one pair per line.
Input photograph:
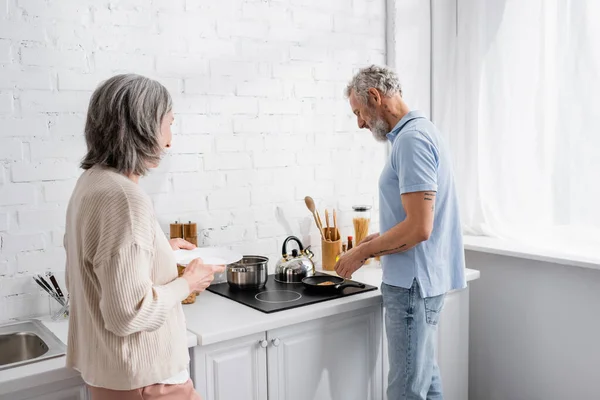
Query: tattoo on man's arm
[429,196]
[379,253]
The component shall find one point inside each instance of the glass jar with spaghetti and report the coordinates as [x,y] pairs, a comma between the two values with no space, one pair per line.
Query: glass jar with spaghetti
[361,219]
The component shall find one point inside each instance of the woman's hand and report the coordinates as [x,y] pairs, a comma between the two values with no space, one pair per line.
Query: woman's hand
[200,275]
[179,243]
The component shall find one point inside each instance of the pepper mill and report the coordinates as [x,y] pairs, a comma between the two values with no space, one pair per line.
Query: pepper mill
[190,233]
[176,230]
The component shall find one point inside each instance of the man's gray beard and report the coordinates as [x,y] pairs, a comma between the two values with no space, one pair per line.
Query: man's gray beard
[380,129]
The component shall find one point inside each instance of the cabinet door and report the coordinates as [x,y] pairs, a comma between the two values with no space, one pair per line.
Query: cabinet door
[231,370]
[333,358]
[72,388]
[72,393]
[386,360]
[453,345]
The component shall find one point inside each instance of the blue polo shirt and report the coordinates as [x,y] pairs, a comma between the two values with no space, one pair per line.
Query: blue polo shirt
[419,161]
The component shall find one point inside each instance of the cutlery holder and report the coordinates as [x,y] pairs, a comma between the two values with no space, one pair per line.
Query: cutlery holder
[330,250]
[58,311]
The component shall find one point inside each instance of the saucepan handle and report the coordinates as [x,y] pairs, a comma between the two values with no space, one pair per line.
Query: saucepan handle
[350,284]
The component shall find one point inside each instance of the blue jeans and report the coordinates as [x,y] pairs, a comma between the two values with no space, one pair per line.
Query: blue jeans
[411,328]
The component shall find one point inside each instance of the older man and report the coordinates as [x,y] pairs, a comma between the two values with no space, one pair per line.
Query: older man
[420,238]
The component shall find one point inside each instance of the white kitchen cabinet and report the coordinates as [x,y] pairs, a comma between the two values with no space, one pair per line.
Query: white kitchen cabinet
[232,370]
[332,358]
[453,346]
[70,389]
[74,393]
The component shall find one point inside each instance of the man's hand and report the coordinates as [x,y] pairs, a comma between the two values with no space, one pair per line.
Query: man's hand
[369,238]
[179,243]
[350,262]
[414,229]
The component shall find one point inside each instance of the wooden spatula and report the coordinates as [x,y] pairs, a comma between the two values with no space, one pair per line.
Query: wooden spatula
[310,204]
[336,234]
[328,232]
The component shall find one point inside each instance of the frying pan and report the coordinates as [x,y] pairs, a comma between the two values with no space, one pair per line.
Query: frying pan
[312,283]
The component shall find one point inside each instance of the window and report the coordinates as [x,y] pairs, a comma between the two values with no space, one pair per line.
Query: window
[516,89]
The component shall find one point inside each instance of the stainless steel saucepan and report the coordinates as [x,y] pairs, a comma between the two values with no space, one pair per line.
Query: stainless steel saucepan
[250,273]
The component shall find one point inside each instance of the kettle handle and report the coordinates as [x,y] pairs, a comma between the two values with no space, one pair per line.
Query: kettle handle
[284,247]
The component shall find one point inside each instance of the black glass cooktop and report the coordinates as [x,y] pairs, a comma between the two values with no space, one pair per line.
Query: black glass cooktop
[276,296]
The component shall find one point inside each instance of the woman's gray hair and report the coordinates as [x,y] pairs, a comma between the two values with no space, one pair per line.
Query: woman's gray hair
[381,78]
[122,130]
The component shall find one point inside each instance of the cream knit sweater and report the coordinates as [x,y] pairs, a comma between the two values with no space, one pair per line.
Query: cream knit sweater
[126,325]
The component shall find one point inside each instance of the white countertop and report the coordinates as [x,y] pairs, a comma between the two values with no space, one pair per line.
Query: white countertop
[51,370]
[211,319]
[214,318]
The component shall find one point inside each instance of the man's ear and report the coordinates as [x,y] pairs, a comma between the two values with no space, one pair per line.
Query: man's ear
[374,96]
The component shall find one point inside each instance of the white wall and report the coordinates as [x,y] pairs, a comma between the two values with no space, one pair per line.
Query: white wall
[261,120]
[534,329]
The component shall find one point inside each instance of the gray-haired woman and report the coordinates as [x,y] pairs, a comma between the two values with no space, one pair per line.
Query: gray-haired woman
[127,333]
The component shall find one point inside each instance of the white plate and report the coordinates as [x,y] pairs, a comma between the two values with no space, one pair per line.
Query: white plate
[210,255]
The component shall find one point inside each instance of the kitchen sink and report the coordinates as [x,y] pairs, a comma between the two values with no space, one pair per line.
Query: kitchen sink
[26,342]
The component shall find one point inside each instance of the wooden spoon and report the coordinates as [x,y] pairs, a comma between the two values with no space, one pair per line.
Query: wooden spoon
[328,234]
[320,224]
[310,204]
[336,235]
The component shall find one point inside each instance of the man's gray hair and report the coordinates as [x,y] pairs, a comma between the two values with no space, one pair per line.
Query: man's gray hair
[381,78]
[122,130]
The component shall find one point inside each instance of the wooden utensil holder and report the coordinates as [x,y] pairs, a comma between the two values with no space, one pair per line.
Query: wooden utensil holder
[330,250]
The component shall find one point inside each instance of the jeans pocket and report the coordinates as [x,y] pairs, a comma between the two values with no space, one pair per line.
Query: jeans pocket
[433,308]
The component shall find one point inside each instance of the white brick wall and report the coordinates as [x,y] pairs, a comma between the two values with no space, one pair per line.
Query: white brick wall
[261,120]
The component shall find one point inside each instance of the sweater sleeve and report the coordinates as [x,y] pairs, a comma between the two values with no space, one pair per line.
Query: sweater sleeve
[129,302]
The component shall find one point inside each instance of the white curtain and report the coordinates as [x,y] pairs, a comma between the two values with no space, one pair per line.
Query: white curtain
[517,92]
